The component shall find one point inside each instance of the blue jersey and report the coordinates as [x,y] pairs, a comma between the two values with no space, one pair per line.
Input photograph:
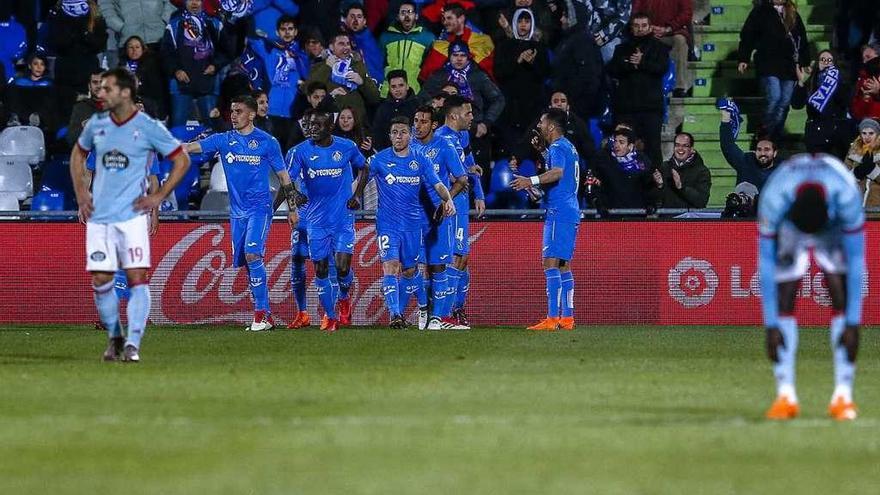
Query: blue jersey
[124,152]
[246,161]
[399,181]
[560,198]
[447,159]
[327,176]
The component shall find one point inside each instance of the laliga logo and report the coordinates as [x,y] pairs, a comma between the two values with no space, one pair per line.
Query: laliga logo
[692,282]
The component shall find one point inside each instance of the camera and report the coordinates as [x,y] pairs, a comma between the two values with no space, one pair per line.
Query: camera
[740,205]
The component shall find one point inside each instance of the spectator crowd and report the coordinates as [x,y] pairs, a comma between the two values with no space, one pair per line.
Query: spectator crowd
[612,65]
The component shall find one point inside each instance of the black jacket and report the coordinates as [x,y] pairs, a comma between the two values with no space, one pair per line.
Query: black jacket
[387,110]
[622,190]
[578,71]
[179,54]
[835,109]
[696,181]
[152,83]
[747,167]
[488,100]
[521,83]
[75,47]
[639,88]
[776,50]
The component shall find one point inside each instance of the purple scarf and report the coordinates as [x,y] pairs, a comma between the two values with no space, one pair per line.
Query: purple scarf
[194,35]
[458,77]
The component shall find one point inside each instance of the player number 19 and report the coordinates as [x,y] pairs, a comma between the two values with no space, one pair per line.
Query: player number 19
[135,254]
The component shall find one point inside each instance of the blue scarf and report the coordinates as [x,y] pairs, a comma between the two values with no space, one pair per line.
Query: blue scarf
[337,75]
[820,98]
[237,8]
[249,64]
[735,117]
[132,65]
[75,8]
[630,163]
[286,63]
[458,77]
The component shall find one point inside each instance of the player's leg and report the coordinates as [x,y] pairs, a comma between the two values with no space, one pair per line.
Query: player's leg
[566,302]
[844,348]
[101,261]
[332,276]
[344,273]
[389,253]
[133,250]
[256,233]
[407,288]
[461,253]
[299,255]
[320,250]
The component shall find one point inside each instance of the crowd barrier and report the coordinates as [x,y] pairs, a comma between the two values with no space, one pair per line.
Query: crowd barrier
[626,272]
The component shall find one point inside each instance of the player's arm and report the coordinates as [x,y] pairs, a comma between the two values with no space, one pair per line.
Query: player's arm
[193,147]
[362,178]
[80,181]
[431,178]
[767,269]
[520,183]
[154,214]
[854,248]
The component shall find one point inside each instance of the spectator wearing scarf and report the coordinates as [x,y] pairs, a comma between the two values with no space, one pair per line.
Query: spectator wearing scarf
[141,61]
[825,94]
[626,175]
[194,50]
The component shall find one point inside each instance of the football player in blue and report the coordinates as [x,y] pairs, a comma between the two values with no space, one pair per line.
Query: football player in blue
[811,208]
[247,155]
[438,237]
[401,173]
[299,254]
[325,163]
[116,211]
[560,185]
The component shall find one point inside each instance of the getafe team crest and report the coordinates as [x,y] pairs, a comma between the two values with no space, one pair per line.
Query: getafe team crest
[414,165]
[337,156]
[252,144]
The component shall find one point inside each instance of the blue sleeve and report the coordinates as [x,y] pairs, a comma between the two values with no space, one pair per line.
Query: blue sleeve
[86,138]
[767,269]
[477,187]
[212,143]
[161,140]
[287,6]
[357,158]
[373,163]
[854,247]
[428,175]
[275,160]
[258,47]
[453,160]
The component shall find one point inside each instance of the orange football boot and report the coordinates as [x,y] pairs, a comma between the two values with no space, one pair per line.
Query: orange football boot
[343,309]
[302,320]
[546,325]
[783,408]
[841,410]
[566,323]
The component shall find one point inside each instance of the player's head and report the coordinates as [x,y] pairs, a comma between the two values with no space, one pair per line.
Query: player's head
[458,113]
[118,87]
[765,152]
[552,124]
[262,98]
[242,112]
[318,125]
[286,28]
[399,133]
[425,121]
[809,211]
[622,142]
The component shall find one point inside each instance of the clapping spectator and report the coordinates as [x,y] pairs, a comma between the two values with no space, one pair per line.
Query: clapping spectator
[401,101]
[77,33]
[686,179]
[345,76]
[825,93]
[626,176]
[866,99]
[141,61]
[864,160]
[542,20]
[405,45]
[146,19]
[671,24]
[362,41]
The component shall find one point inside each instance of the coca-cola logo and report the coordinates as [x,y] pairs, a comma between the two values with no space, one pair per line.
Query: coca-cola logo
[692,282]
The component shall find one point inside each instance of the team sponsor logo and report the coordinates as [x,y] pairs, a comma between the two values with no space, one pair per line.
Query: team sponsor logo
[692,282]
[402,179]
[414,165]
[252,144]
[115,160]
[247,159]
[337,156]
[98,256]
[324,172]
[390,179]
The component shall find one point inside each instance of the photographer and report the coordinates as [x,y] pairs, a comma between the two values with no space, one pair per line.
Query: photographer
[742,202]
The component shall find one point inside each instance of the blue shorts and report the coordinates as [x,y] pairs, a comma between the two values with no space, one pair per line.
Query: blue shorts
[559,239]
[462,245]
[438,243]
[400,246]
[324,242]
[249,235]
[299,243]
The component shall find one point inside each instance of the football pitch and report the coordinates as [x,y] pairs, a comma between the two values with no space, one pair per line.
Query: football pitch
[598,410]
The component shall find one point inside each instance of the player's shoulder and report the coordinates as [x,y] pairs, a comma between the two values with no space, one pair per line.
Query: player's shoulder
[819,166]
[99,118]
[344,143]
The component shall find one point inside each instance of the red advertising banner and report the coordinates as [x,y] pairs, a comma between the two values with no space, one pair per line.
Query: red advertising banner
[656,273]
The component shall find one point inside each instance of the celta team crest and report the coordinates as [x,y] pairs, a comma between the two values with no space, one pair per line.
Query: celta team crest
[252,144]
[337,156]
[414,165]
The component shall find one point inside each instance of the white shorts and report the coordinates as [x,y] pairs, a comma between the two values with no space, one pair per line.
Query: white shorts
[110,246]
[794,250]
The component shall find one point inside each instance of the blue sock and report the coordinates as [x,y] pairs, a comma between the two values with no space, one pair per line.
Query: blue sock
[257,274]
[784,369]
[138,310]
[844,369]
[298,282]
[464,285]
[325,295]
[407,289]
[567,302]
[454,275]
[440,294]
[390,289]
[107,304]
[423,288]
[345,284]
[121,281]
[554,288]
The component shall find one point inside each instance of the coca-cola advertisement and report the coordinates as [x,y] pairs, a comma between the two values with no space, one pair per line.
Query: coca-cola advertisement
[648,272]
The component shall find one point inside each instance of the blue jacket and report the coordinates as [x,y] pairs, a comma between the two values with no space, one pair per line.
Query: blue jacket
[27,82]
[280,72]
[374,58]
[13,44]
[266,14]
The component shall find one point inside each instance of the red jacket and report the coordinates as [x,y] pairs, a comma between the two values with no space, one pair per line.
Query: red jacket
[862,108]
[481,47]
[676,14]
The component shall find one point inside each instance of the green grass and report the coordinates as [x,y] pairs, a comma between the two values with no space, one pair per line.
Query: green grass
[599,410]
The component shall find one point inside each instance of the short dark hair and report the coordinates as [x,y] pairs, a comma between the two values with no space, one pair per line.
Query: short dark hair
[455,8]
[397,73]
[355,6]
[315,86]
[687,135]
[411,3]
[257,93]
[558,117]
[628,134]
[285,19]
[453,101]
[640,15]
[245,100]
[764,137]
[337,35]
[428,109]
[124,80]
[400,119]
[809,211]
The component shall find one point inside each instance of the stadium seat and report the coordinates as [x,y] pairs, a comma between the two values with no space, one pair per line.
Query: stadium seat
[218,179]
[215,201]
[48,200]
[23,141]
[9,202]
[16,177]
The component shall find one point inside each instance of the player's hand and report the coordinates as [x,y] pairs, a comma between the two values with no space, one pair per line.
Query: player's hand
[146,203]
[476,169]
[353,203]
[520,183]
[182,76]
[154,222]
[448,208]
[86,208]
[293,218]
[742,67]
[480,206]
[482,130]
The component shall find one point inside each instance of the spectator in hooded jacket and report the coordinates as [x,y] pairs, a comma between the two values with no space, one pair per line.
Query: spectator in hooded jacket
[671,23]
[825,93]
[141,61]
[194,50]
[345,75]
[401,101]
[578,70]
[542,19]
[77,33]
[144,18]
[455,28]
[363,42]
[866,98]
[686,179]
[521,66]
[405,45]
[775,33]
[284,66]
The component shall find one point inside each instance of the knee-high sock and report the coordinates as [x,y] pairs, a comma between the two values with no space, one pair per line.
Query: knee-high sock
[345,284]
[298,282]
[464,285]
[407,288]
[567,302]
[325,295]
[440,294]
[138,310]
[844,369]
[257,274]
[391,291]
[453,275]
[107,304]
[554,290]
[423,288]
[784,370]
